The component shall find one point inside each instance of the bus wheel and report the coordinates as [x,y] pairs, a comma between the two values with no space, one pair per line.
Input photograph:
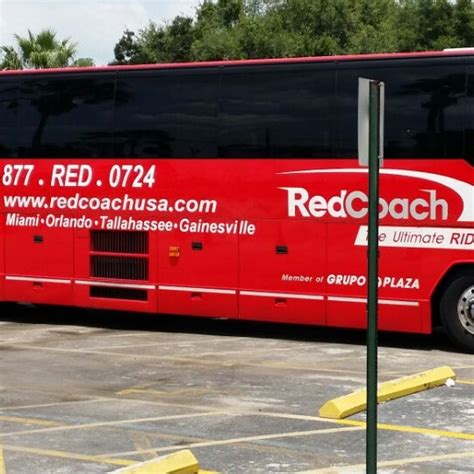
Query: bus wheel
[457,312]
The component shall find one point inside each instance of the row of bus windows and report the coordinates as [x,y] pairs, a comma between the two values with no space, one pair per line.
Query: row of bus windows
[261,111]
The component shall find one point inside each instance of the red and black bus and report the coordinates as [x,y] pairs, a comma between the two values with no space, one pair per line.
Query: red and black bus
[232,189]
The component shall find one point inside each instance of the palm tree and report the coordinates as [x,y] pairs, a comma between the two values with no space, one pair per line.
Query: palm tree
[11,59]
[41,51]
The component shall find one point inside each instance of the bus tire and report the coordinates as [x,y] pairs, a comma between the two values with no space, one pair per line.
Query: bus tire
[457,312]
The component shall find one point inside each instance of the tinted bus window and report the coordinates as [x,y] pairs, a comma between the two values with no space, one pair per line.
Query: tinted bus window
[166,114]
[8,116]
[66,116]
[277,112]
[424,107]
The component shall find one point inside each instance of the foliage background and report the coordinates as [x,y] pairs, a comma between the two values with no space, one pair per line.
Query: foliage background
[249,29]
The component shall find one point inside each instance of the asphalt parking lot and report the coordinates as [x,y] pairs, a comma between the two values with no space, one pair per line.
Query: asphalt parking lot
[89,391]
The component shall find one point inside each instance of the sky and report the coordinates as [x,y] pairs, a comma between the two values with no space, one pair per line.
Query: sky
[96,25]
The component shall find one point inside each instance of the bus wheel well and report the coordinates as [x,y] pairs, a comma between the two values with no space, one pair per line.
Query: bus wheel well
[449,276]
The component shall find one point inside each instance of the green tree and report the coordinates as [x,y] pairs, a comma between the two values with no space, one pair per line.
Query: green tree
[156,44]
[463,23]
[245,29]
[373,27]
[127,50]
[40,51]
[425,25]
[11,59]
[83,62]
[179,39]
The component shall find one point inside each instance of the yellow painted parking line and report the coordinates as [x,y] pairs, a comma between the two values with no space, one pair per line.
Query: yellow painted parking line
[467,382]
[362,424]
[395,462]
[68,455]
[29,421]
[412,429]
[2,462]
[53,404]
[247,439]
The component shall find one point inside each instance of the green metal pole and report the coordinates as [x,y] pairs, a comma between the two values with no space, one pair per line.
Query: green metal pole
[371,444]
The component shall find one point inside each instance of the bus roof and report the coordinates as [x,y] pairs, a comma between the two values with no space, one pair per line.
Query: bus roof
[250,62]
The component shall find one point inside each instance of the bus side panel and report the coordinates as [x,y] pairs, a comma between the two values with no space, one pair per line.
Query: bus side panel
[38,264]
[198,271]
[399,282]
[282,270]
[2,257]
[197,302]
[391,317]
[426,317]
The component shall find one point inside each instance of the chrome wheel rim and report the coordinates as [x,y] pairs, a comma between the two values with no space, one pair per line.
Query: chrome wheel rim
[466,309]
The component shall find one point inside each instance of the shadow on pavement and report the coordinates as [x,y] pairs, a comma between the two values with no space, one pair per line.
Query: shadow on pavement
[116,320]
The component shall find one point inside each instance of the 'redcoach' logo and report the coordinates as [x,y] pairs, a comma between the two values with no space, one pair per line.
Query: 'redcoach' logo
[354,204]
[428,205]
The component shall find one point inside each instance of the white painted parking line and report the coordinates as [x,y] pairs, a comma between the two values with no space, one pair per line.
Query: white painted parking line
[246,439]
[102,424]
[393,463]
[193,343]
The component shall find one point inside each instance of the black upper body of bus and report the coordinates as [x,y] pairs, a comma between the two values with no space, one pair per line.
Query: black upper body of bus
[294,109]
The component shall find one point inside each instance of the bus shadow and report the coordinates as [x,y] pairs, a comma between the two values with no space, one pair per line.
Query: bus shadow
[125,321]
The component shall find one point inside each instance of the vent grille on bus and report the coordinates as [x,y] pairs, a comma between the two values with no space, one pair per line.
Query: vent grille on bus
[118,293]
[123,268]
[119,241]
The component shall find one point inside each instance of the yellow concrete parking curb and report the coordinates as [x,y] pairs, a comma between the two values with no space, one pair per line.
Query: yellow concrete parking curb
[2,462]
[355,402]
[181,462]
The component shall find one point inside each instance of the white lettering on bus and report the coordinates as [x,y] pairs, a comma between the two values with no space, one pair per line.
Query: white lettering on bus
[355,204]
[71,175]
[407,283]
